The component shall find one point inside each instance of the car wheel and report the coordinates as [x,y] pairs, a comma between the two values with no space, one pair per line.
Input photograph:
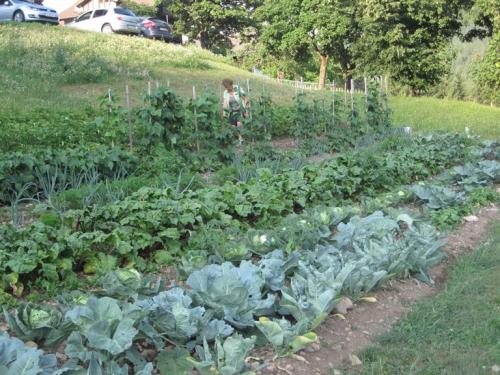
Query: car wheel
[19,16]
[107,29]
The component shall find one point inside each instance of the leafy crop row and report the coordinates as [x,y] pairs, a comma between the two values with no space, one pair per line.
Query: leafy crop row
[165,116]
[130,321]
[48,171]
[278,298]
[159,223]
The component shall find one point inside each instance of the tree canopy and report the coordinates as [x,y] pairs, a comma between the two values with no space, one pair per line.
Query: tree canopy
[409,39]
[298,29]
[213,22]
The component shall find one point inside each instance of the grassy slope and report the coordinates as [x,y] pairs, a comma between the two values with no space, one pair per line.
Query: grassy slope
[426,114]
[60,69]
[455,332]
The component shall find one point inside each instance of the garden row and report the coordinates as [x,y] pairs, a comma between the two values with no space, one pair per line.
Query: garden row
[163,115]
[133,322]
[169,134]
[163,223]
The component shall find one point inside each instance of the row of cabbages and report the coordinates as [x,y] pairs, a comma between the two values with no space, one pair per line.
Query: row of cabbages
[134,321]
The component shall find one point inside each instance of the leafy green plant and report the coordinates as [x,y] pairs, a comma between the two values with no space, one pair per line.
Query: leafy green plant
[437,197]
[42,324]
[103,338]
[129,284]
[283,336]
[172,314]
[163,119]
[233,293]
[18,359]
[229,356]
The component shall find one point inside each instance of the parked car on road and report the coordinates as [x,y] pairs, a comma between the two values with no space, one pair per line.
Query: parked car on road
[118,20]
[155,28]
[24,10]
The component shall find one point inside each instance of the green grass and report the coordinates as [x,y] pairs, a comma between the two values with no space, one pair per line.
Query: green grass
[58,70]
[63,69]
[428,114]
[455,332]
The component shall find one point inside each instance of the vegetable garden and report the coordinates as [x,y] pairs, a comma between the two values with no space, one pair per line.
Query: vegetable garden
[263,242]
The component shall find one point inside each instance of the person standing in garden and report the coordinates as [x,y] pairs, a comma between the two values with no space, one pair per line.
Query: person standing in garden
[235,104]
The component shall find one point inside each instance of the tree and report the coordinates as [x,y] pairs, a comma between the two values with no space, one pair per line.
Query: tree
[297,29]
[212,22]
[409,39]
[484,14]
[486,72]
[139,8]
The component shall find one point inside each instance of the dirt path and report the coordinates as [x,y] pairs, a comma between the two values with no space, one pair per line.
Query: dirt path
[340,339]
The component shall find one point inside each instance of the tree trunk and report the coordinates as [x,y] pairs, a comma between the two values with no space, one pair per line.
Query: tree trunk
[203,38]
[348,79]
[322,71]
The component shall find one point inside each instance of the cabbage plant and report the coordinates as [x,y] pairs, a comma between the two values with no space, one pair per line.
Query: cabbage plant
[18,359]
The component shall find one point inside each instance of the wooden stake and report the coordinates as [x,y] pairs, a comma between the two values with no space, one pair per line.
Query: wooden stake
[333,105]
[221,95]
[110,100]
[345,92]
[248,96]
[149,88]
[352,95]
[130,140]
[366,90]
[196,122]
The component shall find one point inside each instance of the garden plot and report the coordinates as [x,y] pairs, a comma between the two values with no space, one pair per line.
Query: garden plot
[278,290]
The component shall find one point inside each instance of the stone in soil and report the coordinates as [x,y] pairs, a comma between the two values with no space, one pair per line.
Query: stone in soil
[343,306]
[355,361]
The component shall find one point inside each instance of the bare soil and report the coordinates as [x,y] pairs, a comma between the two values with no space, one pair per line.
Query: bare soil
[340,339]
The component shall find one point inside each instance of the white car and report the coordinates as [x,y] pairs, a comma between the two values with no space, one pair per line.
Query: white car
[118,20]
[24,10]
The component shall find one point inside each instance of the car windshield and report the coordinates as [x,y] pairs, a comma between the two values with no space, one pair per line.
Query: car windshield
[124,12]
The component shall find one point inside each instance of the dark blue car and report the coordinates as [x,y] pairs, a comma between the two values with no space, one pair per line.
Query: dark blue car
[155,28]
